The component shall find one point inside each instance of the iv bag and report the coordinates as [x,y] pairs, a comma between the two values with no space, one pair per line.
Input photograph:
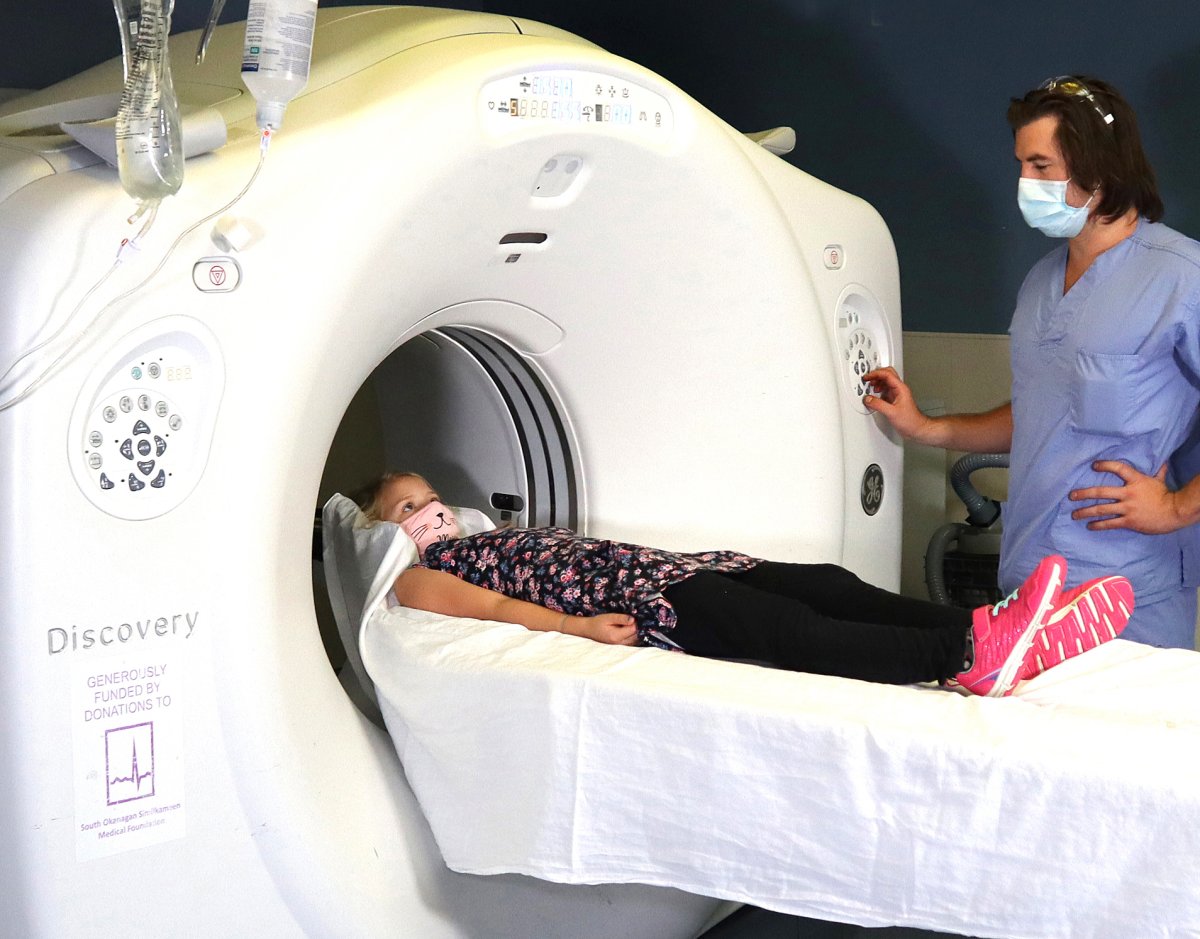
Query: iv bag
[149,138]
[277,55]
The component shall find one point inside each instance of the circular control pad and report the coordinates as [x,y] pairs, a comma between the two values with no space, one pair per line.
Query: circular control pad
[861,356]
[143,422]
[863,341]
[129,440]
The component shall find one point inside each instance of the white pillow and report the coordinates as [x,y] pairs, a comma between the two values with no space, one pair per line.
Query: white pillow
[362,560]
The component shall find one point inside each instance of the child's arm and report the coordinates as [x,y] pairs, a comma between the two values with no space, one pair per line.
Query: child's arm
[439,592]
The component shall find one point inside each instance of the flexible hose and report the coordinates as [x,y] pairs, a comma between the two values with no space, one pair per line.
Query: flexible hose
[981,511]
[935,560]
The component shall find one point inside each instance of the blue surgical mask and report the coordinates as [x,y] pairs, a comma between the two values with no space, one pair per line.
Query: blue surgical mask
[1043,202]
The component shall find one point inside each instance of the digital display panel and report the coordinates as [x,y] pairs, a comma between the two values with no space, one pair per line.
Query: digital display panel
[574,97]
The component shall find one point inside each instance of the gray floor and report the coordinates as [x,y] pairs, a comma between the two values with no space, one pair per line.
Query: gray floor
[753,923]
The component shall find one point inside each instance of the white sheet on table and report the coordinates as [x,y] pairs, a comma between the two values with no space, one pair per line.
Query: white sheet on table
[1071,809]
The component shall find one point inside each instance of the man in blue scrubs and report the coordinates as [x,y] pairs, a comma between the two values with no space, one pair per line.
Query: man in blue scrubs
[1102,426]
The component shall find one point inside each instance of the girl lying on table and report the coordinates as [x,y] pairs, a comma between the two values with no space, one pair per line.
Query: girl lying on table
[721,604]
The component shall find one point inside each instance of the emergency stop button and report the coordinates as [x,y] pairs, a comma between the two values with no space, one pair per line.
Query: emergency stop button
[216,275]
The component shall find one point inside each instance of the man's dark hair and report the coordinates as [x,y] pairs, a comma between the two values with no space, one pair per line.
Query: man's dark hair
[1100,154]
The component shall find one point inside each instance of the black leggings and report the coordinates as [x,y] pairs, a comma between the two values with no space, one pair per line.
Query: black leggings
[818,618]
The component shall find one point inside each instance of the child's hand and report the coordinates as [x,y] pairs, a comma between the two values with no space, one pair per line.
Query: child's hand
[618,629]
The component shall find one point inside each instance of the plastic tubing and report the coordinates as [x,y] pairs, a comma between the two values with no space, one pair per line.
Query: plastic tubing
[935,560]
[981,511]
[81,335]
[149,143]
[214,15]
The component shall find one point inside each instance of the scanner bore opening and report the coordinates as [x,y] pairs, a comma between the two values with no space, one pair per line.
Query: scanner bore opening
[466,409]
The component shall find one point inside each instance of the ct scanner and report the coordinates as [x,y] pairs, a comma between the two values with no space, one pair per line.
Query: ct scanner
[489,251]
[576,296]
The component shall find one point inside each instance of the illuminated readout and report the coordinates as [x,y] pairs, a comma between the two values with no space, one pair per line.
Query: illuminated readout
[574,97]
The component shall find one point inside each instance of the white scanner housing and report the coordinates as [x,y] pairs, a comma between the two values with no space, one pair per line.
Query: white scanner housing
[570,289]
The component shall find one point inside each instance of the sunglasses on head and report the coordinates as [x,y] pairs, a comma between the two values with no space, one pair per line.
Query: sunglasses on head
[1073,87]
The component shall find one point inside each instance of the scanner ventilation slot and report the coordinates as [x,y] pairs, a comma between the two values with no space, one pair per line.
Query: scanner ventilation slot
[524,238]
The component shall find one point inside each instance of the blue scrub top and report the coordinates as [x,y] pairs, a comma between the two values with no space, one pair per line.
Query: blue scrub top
[1109,371]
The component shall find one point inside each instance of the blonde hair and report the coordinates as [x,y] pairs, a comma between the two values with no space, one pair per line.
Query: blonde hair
[369,495]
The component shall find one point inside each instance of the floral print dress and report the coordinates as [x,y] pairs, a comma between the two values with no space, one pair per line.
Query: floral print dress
[563,571]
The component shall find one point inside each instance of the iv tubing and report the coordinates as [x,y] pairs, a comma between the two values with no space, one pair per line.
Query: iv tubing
[213,15]
[126,247]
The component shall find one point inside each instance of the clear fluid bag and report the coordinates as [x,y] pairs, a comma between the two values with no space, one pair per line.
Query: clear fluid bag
[277,55]
[149,138]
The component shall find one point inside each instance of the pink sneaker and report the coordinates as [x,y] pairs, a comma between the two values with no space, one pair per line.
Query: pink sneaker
[1084,617]
[1004,633]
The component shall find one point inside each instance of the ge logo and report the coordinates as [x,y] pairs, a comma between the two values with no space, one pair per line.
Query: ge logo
[871,492]
[216,275]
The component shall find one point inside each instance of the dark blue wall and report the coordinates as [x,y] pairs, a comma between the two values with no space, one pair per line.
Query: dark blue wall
[901,102]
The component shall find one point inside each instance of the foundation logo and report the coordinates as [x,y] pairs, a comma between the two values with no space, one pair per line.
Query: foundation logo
[129,762]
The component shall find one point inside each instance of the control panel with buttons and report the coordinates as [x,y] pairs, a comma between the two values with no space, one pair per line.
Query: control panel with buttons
[864,341]
[143,423]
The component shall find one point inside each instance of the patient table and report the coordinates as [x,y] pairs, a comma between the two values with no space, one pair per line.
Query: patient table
[1070,809]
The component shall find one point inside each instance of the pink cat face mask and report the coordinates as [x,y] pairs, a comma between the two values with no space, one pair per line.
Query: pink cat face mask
[434,522]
